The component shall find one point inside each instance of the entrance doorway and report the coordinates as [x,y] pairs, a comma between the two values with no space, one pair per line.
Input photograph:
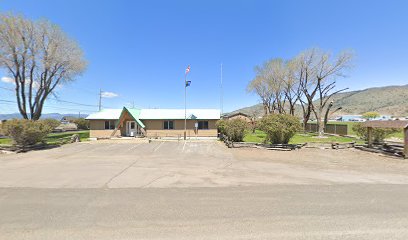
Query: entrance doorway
[132,129]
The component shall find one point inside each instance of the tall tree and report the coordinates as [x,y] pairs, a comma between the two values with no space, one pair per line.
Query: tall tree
[320,71]
[260,86]
[304,72]
[268,84]
[292,89]
[39,56]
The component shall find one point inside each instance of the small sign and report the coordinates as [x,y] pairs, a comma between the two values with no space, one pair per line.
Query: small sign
[196,125]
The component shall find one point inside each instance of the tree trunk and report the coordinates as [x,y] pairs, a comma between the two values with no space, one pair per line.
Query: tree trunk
[306,115]
[320,123]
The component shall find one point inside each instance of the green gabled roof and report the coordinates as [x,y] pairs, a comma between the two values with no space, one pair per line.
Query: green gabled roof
[134,113]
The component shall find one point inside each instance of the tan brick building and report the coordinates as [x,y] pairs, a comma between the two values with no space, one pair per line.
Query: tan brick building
[153,123]
[238,115]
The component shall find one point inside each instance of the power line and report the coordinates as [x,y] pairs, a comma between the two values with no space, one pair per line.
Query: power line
[8,101]
[8,89]
[81,104]
[47,106]
[75,103]
[59,100]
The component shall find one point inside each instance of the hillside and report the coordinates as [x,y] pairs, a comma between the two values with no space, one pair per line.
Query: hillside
[389,100]
[57,116]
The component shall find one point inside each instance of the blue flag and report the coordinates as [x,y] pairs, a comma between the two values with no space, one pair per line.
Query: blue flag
[188,83]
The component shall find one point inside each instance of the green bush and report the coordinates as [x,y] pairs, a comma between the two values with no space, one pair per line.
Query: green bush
[82,123]
[221,126]
[379,134]
[26,132]
[236,129]
[371,115]
[279,128]
[52,123]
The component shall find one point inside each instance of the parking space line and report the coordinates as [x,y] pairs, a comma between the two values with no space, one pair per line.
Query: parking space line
[137,145]
[184,145]
[155,149]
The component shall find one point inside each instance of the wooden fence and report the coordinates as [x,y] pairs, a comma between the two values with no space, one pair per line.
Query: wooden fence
[339,129]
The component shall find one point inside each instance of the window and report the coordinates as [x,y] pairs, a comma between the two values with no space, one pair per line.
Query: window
[110,124]
[168,125]
[132,125]
[202,124]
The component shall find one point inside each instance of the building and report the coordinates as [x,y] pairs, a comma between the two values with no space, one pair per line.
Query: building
[238,115]
[359,118]
[350,118]
[66,126]
[153,123]
[68,119]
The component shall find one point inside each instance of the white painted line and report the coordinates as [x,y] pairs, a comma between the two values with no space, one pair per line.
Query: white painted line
[111,146]
[137,145]
[158,147]
[184,146]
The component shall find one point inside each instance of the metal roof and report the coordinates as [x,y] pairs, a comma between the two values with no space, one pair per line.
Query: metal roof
[105,114]
[206,114]
[134,113]
[386,124]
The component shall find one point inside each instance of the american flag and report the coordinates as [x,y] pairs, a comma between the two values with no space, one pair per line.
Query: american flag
[188,69]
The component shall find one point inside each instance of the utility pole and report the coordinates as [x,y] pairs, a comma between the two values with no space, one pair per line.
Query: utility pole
[100,99]
[133,104]
[221,95]
[79,115]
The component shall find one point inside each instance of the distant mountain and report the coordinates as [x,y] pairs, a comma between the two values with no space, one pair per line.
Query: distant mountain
[57,116]
[389,100]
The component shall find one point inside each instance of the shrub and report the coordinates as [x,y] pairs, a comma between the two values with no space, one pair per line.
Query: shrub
[82,123]
[26,132]
[379,134]
[253,125]
[221,126]
[52,123]
[279,128]
[236,129]
[370,115]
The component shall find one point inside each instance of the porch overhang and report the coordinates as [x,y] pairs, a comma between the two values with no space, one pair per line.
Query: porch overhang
[133,113]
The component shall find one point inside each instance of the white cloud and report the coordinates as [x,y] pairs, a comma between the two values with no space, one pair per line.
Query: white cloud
[7,80]
[109,95]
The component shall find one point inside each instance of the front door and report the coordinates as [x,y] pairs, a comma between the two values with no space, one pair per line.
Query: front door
[131,128]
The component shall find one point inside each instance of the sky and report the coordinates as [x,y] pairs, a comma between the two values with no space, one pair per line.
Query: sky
[137,51]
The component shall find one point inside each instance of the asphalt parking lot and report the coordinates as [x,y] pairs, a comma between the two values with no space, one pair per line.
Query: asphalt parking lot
[128,164]
[200,190]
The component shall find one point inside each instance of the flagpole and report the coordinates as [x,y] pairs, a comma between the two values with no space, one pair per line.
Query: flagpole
[185,106]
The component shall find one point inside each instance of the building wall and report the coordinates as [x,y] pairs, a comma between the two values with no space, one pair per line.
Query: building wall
[97,129]
[154,128]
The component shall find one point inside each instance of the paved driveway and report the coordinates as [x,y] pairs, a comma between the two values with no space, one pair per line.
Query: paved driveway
[128,164]
[201,190]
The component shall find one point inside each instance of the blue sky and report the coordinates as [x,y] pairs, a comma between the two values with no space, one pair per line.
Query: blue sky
[140,49]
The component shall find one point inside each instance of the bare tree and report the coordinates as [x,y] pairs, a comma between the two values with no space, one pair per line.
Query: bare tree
[304,72]
[292,88]
[329,112]
[260,86]
[319,71]
[268,84]
[277,73]
[39,56]
[326,74]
